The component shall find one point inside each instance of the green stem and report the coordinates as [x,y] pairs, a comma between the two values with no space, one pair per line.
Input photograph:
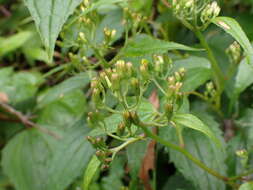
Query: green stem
[184,152]
[218,75]
[241,175]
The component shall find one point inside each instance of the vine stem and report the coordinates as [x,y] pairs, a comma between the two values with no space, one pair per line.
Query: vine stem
[218,75]
[187,154]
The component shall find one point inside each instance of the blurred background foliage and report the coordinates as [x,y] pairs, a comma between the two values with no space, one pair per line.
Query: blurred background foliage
[27,77]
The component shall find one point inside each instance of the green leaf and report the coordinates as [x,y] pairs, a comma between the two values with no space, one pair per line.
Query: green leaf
[90,172]
[25,160]
[19,86]
[77,82]
[70,158]
[143,44]
[49,17]
[196,77]
[246,186]
[232,27]
[243,77]
[135,155]
[203,149]
[13,42]
[195,123]
[33,160]
[63,112]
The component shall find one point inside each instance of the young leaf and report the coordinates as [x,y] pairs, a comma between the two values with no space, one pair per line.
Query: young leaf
[49,16]
[195,123]
[232,27]
[144,45]
[90,172]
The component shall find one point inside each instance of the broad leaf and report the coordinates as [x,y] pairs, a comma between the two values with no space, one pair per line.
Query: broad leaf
[49,16]
[232,27]
[31,155]
[77,82]
[90,172]
[70,158]
[203,149]
[195,123]
[144,45]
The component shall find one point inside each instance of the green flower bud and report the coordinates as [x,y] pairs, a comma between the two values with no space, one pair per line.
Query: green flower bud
[136,86]
[127,119]
[121,129]
[168,111]
[135,118]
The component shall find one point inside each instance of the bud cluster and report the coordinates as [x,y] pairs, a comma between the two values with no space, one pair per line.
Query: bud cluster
[103,153]
[211,11]
[175,96]
[197,13]
[234,52]
[133,19]
[210,92]
[109,35]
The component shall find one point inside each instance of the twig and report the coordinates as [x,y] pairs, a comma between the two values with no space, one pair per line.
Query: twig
[25,120]
[5,12]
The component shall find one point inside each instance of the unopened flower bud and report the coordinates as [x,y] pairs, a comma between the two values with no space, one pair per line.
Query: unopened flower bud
[135,85]
[127,119]
[169,111]
[121,129]
[135,118]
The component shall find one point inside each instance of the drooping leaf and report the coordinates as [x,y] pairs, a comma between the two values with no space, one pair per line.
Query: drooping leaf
[203,149]
[90,172]
[232,27]
[77,82]
[13,42]
[191,121]
[49,17]
[143,44]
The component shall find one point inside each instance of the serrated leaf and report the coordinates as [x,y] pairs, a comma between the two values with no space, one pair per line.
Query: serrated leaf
[143,44]
[191,121]
[49,17]
[232,27]
[203,149]
[33,160]
[246,186]
[90,172]
[77,82]
[70,158]
[14,42]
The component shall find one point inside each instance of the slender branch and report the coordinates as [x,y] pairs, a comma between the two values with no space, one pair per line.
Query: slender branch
[25,120]
[4,11]
[239,177]
[218,75]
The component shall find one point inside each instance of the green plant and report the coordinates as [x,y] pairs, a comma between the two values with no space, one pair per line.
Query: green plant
[107,100]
